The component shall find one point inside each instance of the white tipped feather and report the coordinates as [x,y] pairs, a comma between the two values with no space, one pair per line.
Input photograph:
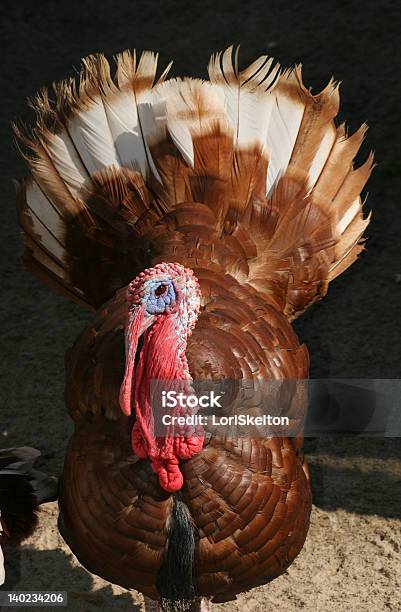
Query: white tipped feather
[261,109]
[259,73]
[322,155]
[339,162]
[284,123]
[152,120]
[67,161]
[90,131]
[132,114]
[46,240]
[253,122]
[122,115]
[247,95]
[42,210]
[192,108]
[349,215]
[47,261]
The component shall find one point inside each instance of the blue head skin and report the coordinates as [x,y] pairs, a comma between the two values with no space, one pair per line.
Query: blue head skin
[165,289]
[161,294]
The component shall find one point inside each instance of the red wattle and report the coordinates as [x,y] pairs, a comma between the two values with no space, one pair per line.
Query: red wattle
[160,359]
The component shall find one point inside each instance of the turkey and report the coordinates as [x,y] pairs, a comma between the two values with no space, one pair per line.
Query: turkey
[199,219]
[22,489]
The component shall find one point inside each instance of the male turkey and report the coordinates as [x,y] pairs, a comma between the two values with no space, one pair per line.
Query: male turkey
[232,203]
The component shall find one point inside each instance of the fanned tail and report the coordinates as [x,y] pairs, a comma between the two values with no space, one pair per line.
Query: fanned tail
[113,158]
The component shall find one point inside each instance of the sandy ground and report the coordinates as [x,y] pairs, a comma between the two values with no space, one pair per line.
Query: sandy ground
[351,561]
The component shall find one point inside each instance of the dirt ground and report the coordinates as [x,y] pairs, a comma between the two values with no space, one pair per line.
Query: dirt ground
[352,557]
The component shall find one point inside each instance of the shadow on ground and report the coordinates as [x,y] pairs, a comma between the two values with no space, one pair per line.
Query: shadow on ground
[359,475]
[79,585]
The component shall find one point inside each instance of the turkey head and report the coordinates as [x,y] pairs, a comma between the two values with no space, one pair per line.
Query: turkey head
[163,306]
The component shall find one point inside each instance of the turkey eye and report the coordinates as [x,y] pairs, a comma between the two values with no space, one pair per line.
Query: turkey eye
[161,290]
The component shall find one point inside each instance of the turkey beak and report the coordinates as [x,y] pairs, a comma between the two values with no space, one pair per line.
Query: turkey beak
[138,322]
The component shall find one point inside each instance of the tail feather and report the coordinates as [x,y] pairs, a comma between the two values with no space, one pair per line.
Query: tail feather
[248,103]
[113,158]
[316,133]
[338,162]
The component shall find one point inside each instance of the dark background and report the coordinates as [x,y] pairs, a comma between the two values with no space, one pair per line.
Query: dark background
[355,331]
